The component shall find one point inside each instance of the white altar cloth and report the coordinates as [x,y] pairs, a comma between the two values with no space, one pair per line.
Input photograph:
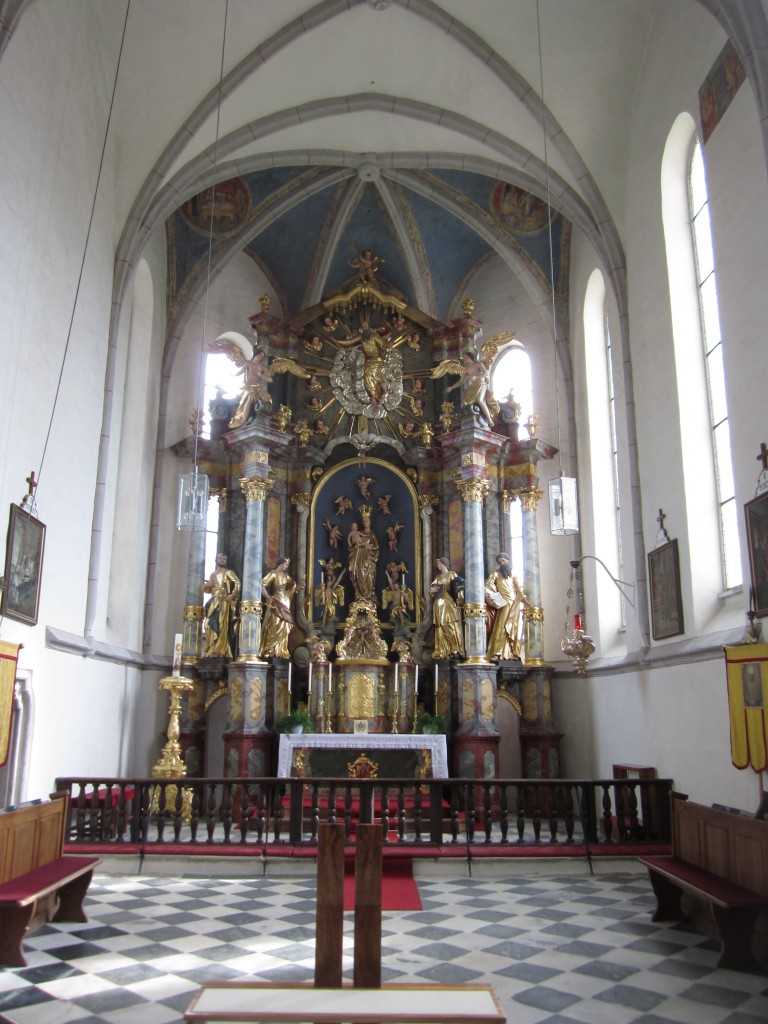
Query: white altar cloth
[436,745]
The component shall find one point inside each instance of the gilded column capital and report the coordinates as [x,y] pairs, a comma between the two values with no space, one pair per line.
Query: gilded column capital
[530,497]
[473,489]
[301,500]
[507,499]
[474,610]
[427,502]
[250,608]
[533,614]
[254,488]
[192,612]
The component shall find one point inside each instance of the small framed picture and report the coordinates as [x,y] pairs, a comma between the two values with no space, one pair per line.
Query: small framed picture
[666,595]
[23,567]
[756,512]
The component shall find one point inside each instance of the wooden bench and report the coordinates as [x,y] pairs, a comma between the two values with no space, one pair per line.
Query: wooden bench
[37,882]
[720,860]
[405,1004]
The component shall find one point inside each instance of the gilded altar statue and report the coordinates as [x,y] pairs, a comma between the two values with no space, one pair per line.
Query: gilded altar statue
[221,611]
[278,589]
[447,594]
[363,554]
[506,601]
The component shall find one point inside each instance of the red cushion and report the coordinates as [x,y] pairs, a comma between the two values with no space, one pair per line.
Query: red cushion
[26,887]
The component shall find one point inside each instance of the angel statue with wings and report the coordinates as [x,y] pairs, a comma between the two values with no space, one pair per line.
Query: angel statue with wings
[475,377]
[252,362]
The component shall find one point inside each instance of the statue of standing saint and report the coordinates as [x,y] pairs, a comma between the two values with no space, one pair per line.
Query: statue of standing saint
[363,553]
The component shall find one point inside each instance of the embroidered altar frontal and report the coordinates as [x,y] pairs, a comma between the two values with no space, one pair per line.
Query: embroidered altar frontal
[375,756]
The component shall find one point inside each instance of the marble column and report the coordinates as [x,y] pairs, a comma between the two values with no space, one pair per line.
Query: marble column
[426,503]
[534,615]
[473,491]
[192,638]
[301,503]
[255,490]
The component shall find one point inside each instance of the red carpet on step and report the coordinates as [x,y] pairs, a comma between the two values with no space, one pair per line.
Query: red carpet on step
[398,887]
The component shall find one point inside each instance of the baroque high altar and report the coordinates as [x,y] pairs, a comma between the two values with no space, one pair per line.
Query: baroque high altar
[365,478]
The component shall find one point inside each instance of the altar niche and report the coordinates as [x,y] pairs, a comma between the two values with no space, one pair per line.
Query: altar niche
[365,595]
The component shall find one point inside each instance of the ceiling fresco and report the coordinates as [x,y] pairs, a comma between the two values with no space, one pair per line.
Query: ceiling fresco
[306,239]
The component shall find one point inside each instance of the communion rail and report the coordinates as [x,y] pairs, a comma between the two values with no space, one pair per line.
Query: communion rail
[268,816]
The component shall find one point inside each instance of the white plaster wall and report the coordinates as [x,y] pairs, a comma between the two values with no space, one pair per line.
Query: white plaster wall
[676,718]
[56,80]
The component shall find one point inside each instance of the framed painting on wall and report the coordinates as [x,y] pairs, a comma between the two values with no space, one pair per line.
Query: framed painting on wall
[666,595]
[23,567]
[756,512]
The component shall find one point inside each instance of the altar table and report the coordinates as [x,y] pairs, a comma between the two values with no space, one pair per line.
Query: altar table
[367,744]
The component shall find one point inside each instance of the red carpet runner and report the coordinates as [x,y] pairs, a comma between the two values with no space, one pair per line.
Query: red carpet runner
[398,887]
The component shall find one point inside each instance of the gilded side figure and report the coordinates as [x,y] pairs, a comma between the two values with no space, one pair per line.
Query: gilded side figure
[505,599]
[277,589]
[447,590]
[220,612]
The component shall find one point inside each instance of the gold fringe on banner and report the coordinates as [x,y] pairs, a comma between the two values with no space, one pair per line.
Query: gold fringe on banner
[9,655]
[747,672]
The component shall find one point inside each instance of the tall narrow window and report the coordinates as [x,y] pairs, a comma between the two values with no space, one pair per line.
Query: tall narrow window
[512,375]
[713,356]
[604,462]
[614,457]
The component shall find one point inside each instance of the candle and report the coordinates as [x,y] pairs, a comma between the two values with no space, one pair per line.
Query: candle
[435,678]
[330,677]
[577,621]
[290,667]
[396,673]
[416,682]
[177,655]
[309,688]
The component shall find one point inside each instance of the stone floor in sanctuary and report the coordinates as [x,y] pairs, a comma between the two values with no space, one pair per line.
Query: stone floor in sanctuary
[558,947]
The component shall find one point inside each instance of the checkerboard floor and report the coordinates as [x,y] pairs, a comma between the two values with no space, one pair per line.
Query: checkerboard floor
[557,949]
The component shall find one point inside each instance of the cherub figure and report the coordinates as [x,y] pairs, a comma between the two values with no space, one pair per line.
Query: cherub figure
[407,429]
[418,386]
[366,263]
[314,383]
[343,505]
[414,342]
[314,344]
[334,533]
[304,433]
[252,362]
[321,428]
[363,482]
[417,406]
[314,404]
[330,323]
[330,593]
[383,504]
[282,417]
[392,532]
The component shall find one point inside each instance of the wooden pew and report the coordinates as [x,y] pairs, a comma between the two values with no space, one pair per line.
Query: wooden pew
[37,882]
[720,860]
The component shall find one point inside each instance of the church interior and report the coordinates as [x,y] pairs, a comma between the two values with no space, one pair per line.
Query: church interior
[386,367]
[389,366]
